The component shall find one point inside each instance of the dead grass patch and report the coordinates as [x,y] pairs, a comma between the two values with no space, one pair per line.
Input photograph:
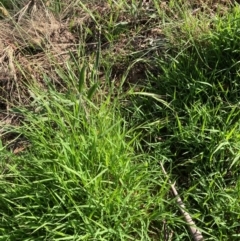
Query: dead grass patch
[30,46]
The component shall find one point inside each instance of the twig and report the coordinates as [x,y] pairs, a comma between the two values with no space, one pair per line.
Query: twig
[195,232]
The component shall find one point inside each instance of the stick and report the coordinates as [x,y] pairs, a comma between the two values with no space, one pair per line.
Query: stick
[196,234]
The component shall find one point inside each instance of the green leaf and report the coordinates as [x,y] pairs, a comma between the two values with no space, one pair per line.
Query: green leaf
[81,79]
[91,91]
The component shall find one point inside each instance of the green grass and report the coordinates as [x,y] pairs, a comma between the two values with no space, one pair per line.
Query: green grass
[200,131]
[80,179]
[91,169]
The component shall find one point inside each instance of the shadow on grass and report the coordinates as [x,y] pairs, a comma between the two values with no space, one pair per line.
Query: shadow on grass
[199,135]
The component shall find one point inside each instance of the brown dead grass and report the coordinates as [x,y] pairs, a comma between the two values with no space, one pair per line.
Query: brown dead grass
[29,47]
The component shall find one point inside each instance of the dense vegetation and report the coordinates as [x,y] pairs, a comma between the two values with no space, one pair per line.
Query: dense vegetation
[145,86]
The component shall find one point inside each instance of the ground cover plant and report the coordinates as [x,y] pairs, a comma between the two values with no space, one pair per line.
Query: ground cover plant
[104,105]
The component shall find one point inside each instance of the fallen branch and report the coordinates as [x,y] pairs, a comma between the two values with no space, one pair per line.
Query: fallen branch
[196,234]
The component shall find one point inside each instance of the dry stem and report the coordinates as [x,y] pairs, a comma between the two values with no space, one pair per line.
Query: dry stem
[195,232]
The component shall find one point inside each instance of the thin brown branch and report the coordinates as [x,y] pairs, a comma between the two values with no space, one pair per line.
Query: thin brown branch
[195,232]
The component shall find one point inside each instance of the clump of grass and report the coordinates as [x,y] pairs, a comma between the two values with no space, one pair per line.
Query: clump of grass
[79,178]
